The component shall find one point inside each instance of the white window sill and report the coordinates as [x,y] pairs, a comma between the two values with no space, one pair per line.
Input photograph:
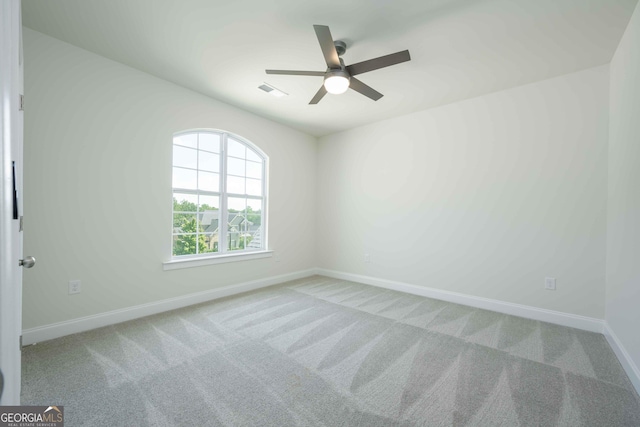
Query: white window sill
[176,264]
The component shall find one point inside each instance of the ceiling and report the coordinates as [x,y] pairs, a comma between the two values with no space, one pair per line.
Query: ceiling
[459,48]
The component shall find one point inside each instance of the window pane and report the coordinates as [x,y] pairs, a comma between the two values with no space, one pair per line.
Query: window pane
[238,231]
[209,181]
[185,157]
[235,166]
[254,216]
[184,202]
[188,140]
[233,241]
[208,203]
[252,155]
[255,240]
[209,214]
[210,142]
[254,206]
[210,223]
[184,223]
[208,243]
[244,224]
[254,170]
[236,204]
[208,161]
[235,185]
[255,221]
[185,178]
[236,222]
[235,148]
[184,244]
[254,187]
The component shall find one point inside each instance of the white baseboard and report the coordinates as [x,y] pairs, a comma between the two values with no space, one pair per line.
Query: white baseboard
[557,317]
[56,330]
[623,356]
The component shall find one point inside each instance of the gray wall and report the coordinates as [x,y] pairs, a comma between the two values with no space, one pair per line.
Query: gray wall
[623,216]
[484,197]
[98,141]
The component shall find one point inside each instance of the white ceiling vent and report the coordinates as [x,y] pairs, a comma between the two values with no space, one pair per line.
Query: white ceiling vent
[272,90]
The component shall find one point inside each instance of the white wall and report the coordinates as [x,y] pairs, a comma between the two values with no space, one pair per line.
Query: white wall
[483,197]
[97,145]
[623,216]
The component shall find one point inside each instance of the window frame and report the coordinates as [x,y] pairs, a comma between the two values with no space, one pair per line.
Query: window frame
[223,254]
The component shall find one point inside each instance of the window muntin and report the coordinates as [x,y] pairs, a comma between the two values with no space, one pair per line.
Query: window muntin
[219,185]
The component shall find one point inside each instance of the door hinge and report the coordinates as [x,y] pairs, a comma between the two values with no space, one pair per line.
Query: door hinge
[21,102]
[20,343]
[21,223]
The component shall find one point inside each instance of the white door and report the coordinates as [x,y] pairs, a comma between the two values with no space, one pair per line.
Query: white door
[11,200]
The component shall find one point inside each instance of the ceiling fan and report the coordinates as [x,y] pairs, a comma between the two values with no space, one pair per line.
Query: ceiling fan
[338,77]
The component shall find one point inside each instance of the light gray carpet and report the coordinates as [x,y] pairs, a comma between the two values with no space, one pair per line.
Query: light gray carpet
[323,352]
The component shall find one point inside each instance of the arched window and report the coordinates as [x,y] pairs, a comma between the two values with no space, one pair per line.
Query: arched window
[219,195]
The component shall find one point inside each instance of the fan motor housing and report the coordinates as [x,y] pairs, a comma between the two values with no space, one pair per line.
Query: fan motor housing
[341,47]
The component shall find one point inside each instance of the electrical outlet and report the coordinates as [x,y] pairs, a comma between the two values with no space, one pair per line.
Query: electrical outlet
[367,258]
[550,283]
[74,287]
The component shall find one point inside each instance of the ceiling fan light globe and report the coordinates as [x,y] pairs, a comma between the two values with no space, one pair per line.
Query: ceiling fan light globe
[336,84]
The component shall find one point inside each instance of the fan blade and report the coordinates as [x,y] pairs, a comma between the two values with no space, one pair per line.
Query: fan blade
[381,62]
[367,91]
[297,73]
[327,46]
[319,95]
